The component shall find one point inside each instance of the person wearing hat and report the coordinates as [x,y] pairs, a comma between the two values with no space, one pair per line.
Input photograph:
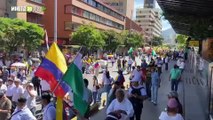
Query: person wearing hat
[30,94]
[22,112]
[172,111]
[10,87]
[137,94]
[18,92]
[174,95]
[2,85]
[5,106]
[49,110]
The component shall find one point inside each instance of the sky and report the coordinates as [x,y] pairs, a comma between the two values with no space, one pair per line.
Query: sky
[139,4]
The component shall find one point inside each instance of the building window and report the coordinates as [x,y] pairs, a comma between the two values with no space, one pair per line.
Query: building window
[68,25]
[92,16]
[34,18]
[86,14]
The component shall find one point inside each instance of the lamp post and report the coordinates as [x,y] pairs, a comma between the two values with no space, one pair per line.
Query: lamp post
[55,20]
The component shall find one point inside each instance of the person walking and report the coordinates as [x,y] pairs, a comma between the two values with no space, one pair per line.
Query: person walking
[174,95]
[112,92]
[49,110]
[174,77]
[172,111]
[130,62]
[10,87]
[137,94]
[22,112]
[5,106]
[106,84]
[166,62]
[30,94]
[119,64]
[120,108]
[155,85]
[95,89]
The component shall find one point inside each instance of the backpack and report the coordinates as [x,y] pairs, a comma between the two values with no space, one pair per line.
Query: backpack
[135,101]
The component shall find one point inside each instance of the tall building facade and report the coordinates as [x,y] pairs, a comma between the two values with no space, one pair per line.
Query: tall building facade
[73,13]
[28,10]
[149,20]
[149,3]
[125,7]
[2,8]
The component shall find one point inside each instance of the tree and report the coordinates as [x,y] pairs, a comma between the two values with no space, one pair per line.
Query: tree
[132,39]
[112,40]
[157,41]
[181,40]
[16,33]
[88,36]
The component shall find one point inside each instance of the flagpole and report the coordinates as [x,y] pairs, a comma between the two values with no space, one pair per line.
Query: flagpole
[72,61]
[55,19]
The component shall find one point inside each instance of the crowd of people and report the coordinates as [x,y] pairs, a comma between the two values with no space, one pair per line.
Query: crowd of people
[19,96]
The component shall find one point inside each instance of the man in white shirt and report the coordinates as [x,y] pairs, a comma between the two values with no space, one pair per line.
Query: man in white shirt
[49,111]
[22,112]
[2,86]
[30,94]
[130,62]
[120,108]
[18,92]
[166,62]
[137,74]
[9,92]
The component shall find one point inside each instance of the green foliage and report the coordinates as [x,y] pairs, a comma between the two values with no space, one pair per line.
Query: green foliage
[112,40]
[89,36]
[16,33]
[132,39]
[181,41]
[157,41]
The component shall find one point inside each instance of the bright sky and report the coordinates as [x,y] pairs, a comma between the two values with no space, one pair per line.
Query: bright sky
[165,23]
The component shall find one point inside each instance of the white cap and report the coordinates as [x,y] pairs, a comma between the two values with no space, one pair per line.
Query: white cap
[17,80]
[30,84]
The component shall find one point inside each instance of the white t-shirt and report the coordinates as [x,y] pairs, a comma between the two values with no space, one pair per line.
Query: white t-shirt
[125,105]
[17,93]
[44,85]
[31,101]
[165,116]
[137,75]
[9,91]
[182,65]
[24,114]
[3,87]
[143,90]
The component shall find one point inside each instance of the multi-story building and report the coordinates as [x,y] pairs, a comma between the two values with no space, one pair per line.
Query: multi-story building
[28,10]
[149,20]
[2,8]
[72,13]
[125,7]
[149,3]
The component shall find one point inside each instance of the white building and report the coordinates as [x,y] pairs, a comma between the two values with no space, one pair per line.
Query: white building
[149,19]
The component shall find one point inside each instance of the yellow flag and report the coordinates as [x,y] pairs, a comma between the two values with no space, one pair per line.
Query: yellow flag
[59,109]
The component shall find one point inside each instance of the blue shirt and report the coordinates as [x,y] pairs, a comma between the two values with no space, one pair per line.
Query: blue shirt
[155,78]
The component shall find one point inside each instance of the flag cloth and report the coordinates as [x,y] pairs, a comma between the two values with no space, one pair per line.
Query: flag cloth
[52,69]
[59,110]
[73,77]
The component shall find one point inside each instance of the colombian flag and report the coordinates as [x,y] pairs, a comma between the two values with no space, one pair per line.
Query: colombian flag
[52,69]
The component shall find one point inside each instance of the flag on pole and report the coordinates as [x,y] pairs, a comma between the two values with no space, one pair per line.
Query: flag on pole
[52,69]
[59,110]
[46,40]
[73,77]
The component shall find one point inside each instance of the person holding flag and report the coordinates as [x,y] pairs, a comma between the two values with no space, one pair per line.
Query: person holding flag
[52,69]
[74,78]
